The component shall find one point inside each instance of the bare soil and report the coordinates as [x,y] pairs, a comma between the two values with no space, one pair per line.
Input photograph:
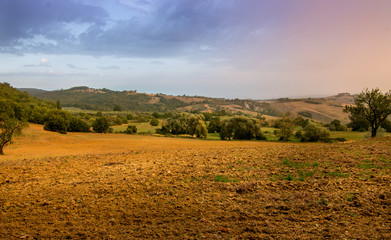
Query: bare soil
[107,186]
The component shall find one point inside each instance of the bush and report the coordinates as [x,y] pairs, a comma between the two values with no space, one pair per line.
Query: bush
[101,125]
[57,121]
[154,122]
[78,125]
[131,129]
[314,133]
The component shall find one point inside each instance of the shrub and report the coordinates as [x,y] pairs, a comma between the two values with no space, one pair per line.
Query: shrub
[154,122]
[78,125]
[101,125]
[131,129]
[314,133]
[57,121]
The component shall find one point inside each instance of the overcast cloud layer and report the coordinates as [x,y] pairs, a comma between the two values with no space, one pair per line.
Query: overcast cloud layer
[226,48]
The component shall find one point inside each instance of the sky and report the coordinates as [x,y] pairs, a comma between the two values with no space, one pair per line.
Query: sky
[257,49]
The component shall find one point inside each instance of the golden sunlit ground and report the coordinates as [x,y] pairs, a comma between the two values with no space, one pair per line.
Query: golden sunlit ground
[113,186]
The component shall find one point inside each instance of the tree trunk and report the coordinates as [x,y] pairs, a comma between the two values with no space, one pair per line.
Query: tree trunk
[373,132]
[1,150]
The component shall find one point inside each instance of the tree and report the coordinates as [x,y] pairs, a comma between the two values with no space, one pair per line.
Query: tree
[131,129]
[241,127]
[286,126]
[9,128]
[314,133]
[78,125]
[373,106]
[336,125]
[154,121]
[11,122]
[214,125]
[101,125]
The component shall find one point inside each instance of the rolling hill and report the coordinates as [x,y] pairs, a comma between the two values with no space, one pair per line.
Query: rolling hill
[319,109]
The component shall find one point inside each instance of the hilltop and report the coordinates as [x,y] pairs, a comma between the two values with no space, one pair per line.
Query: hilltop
[319,109]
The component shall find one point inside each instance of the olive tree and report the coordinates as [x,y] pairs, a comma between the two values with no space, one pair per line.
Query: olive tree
[373,106]
[11,123]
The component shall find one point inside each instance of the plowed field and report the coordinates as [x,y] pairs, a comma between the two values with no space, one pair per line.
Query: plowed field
[91,186]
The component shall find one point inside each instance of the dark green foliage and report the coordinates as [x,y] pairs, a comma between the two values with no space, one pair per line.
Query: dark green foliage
[78,125]
[154,122]
[57,121]
[305,114]
[315,133]
[9,128]
[336,125]
[358,123]
[129,116]
[300,121]
[208,116]
[58,105]
[386,124]
[101,125]
[131,129]
[185,123]
[118,121]
[117,108]
[286,127]
[156,115]
[240,127]
[373,106]
[215,125]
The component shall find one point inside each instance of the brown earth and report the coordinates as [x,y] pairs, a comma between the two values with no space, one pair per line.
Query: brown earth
[107,186]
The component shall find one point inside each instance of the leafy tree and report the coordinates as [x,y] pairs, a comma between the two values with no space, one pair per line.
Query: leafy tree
[57,121]
[129,116]
[286,128]
[386,124]
[185,123]
[78,125]
[154,121]
[101,125]
[9,128]
[131,129]
[214,125]
[314,133]
[11,123]
[373,106]
[336,125]
[156,115]
[241,127]
[358,123]
[117,108]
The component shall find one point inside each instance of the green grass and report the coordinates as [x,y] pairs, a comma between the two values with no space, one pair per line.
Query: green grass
[349,135]
[223,178]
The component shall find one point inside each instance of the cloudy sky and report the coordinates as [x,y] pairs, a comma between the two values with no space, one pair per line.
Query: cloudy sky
[220,48]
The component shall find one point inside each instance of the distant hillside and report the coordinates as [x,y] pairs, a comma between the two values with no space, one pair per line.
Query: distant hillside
[319,109]
[24,104]
[105,100]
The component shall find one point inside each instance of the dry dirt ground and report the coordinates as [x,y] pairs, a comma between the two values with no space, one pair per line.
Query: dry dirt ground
[91,186]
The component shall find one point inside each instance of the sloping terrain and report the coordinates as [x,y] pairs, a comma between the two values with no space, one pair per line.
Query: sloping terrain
[320,109]
[73,188]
